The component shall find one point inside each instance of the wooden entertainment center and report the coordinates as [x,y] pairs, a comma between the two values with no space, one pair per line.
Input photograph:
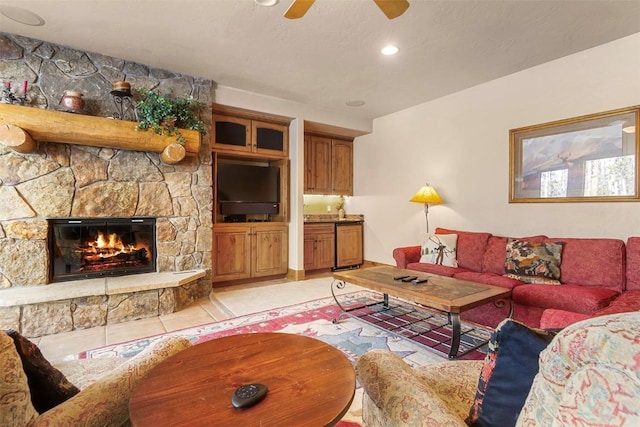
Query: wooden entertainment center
[252,244]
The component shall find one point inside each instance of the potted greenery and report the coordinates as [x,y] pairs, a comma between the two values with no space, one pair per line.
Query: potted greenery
[165,114]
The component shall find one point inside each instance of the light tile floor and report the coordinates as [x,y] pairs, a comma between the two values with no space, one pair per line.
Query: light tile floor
[222,303]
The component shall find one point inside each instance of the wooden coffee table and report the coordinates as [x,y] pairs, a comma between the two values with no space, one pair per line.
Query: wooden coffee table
[310,383]
[445,294]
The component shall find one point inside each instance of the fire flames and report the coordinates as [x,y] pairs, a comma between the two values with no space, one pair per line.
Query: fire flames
[112,245]
[107,251]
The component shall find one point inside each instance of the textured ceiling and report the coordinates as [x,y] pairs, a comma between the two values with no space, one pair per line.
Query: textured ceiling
[332,55]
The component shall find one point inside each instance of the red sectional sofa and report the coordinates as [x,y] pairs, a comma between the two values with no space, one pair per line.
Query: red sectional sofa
[598,276]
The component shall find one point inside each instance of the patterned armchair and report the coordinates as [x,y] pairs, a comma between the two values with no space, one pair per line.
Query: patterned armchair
[105,387]
[588,375]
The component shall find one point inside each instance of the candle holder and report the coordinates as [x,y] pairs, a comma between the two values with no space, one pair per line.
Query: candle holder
[125,108]
[7,96]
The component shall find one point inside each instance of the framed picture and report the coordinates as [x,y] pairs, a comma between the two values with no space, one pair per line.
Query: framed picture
[583,159]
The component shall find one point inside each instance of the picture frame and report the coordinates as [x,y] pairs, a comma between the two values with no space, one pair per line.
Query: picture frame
[592,158]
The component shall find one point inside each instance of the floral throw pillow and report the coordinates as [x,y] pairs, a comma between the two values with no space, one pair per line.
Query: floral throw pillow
[440,249]
[533,259]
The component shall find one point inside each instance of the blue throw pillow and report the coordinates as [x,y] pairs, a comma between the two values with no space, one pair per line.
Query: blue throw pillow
[507,374]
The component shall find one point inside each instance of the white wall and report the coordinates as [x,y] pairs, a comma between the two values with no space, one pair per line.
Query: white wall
[460,144]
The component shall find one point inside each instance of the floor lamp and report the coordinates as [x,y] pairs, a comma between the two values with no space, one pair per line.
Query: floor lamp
[427,195]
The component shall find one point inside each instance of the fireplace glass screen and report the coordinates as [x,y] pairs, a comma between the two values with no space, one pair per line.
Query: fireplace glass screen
[88,248]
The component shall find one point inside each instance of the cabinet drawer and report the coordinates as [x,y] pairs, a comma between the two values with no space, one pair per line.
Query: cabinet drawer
[325,227]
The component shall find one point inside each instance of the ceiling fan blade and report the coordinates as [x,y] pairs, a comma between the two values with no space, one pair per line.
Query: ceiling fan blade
[298,8]
[392,8]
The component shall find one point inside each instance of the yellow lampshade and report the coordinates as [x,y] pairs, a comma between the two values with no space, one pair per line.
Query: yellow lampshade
[427,194]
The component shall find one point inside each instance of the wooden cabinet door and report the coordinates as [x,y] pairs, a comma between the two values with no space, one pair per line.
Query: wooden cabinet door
[231,252]
[342,167]
[319,166]
[230,133]
[270,139]
[319,246]
[270,250]
[309,252]
[325,250]
[349,245]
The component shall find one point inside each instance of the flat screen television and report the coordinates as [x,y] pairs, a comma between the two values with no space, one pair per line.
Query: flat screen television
[248,189]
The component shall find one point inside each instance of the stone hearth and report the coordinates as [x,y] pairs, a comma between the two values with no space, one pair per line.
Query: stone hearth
[67,306]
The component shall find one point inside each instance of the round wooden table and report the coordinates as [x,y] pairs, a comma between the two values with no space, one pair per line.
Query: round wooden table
[310,384]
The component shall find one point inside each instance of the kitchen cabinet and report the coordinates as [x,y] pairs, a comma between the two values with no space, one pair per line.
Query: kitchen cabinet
[328,166]
[319,246]
[242,251]
[236,130]
[349,245]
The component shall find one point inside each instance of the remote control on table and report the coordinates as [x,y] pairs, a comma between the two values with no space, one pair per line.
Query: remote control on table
[248,395]
[400,277]
[416,281]
[408,279]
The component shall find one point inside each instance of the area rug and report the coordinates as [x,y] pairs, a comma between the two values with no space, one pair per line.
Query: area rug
[314,319]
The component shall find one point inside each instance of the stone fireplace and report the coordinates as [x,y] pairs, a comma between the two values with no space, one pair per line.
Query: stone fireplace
[67,182]
[85,248]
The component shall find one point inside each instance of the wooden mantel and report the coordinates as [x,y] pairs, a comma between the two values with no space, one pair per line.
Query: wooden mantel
[21,126]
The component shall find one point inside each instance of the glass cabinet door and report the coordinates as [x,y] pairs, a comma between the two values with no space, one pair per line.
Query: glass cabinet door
[270,138]
[231,133]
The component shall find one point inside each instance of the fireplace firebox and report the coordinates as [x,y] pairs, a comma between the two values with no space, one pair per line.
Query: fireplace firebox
[84,248]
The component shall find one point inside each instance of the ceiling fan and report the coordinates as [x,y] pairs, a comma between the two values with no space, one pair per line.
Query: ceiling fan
[391,8]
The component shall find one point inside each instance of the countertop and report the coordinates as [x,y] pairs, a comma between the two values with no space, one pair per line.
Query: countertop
[314,219]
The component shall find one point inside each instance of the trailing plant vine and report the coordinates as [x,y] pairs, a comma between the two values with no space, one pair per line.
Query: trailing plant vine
[165,114]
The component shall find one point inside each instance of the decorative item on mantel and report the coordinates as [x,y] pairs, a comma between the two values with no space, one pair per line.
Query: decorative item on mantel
[121,95]
[7,96]
[72,102]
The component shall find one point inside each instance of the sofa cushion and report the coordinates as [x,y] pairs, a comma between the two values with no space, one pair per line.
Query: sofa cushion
[507,374]
[577,298]
[488,279]
[16,408]
[552,318]
[471,247]
[628,301]
[439,249]
[48,386]
[593,262]
[494,255]
[533,259]
[633,263]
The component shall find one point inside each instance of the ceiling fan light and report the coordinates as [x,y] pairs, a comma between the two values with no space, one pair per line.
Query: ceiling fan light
[266,3]
[389,50]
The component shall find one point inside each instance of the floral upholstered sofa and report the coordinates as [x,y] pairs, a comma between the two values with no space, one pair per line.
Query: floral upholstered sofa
[86,392]
[587,375]
[596,276]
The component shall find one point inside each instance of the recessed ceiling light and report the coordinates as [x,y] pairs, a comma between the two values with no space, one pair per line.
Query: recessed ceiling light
[267,3]
[22,16]
[355,103]
[389,50]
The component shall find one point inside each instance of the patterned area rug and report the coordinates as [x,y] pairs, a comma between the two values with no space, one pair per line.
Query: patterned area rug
[314,319]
